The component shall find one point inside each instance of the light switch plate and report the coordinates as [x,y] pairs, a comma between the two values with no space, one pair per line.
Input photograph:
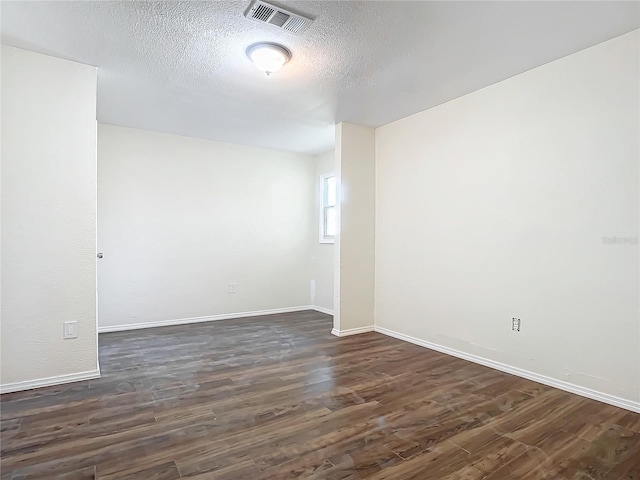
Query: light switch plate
[70,330]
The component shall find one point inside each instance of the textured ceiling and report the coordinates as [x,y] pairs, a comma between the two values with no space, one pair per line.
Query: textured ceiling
[180,67]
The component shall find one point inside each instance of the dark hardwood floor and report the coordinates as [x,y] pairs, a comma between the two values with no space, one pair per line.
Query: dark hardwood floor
[279,397]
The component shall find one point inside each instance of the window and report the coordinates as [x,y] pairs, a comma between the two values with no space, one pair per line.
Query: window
[328,212]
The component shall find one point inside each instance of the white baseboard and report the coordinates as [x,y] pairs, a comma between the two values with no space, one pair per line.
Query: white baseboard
[49,381]
[551,382]
[322,309]
[351,331]
[208,318]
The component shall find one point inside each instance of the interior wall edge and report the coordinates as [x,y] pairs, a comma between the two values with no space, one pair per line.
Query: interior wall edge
[207,318]
[519,372]
[49,381]
[352,331]
[328,311]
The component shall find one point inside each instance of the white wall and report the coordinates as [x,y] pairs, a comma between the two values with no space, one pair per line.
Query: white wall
[48,219]
[181,218]
[495,205]
[322,253]
[354,248]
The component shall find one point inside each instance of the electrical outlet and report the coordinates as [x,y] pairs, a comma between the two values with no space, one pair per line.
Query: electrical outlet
[233,288]
[70,330]
[515,324]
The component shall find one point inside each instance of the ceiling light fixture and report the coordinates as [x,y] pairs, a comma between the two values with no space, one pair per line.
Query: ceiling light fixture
[268,57]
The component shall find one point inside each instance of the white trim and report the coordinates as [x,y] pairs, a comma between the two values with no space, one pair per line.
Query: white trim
[351,331]
[322,309]
[208,318]
[552,382]
[49,381]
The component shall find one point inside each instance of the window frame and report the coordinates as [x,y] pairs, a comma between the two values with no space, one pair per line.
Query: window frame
[322,214]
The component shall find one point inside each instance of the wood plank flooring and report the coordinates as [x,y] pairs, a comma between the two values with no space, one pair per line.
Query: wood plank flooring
[279,397]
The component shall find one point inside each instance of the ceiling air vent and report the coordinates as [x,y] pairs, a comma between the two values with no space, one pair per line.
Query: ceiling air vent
[264,12]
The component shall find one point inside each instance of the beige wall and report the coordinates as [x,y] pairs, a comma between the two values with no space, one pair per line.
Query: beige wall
[495,205]
[182,218]
[48,219]
[322,253]
[355,253]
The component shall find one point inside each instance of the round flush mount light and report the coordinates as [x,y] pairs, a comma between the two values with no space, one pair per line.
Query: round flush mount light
[268,57]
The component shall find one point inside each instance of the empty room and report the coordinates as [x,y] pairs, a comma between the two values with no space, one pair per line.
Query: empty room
[318,239]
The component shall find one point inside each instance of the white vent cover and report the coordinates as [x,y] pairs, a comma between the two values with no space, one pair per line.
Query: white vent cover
[264,12]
